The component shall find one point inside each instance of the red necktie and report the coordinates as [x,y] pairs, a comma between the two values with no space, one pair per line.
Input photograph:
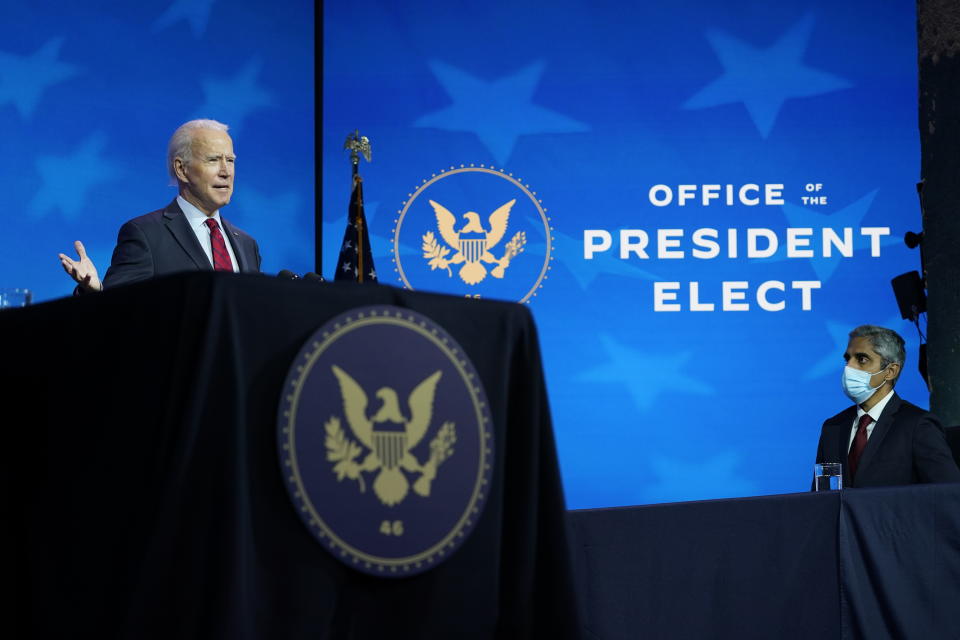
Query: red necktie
[859,444]
[221,259]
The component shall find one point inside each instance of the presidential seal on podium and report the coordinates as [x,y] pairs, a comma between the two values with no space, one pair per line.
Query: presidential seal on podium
[385,440]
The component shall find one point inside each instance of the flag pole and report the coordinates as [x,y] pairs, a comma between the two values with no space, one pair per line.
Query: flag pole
[358,145]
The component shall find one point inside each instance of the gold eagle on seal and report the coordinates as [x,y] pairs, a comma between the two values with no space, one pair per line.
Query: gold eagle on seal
[472,243]
[389,436]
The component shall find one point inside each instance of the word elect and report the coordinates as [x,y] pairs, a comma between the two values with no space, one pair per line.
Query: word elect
[733,296]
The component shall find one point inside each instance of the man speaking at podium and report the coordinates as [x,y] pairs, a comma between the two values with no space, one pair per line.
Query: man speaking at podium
[883,439]
[189,234]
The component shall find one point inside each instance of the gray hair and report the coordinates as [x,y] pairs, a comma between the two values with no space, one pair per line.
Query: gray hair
[886,342]
[182,140]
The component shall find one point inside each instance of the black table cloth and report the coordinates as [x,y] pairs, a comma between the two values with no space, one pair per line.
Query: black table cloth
[144,488]
[858,564]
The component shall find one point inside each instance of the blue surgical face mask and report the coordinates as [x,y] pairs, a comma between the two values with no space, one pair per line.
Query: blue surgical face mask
[856,383]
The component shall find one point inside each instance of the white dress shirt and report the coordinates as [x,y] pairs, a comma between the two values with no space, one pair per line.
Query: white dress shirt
[197,221]
[874,412]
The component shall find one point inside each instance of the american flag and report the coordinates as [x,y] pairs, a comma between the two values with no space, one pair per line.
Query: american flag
[356,260]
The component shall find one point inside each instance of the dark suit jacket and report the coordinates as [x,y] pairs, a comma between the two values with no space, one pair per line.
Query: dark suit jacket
[162,242]
[907,446]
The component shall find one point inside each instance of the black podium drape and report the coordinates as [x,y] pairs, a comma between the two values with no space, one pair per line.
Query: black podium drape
[145,492]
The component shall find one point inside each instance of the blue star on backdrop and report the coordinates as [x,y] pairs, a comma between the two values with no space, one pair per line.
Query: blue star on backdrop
[685,480]
[233,99]
[569,252]
[763,79]
[67,179]
[645,375]
[497,111]
[277,214]
[851,216]
[25,78]
[195,12]
[832,363]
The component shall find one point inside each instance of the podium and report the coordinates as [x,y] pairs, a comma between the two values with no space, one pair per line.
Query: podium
[145,492]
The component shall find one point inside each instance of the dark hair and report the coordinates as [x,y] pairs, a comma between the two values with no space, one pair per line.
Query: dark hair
[886,342]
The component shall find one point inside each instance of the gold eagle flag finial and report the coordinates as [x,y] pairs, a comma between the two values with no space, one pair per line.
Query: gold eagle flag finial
[358,145]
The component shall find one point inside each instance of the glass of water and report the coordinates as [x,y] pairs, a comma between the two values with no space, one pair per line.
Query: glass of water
[15,297]
[827,476]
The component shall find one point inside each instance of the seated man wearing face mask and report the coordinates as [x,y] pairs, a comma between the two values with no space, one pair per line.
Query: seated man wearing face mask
[883,439]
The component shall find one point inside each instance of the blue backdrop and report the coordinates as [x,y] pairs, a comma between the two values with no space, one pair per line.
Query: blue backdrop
[593,104]
[564,117]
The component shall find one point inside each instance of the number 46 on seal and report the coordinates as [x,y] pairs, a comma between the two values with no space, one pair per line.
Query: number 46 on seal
[389,528]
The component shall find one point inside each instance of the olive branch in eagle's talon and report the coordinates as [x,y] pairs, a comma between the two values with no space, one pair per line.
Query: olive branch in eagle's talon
[436,253]
[343,451]
[512,249]
[441,448]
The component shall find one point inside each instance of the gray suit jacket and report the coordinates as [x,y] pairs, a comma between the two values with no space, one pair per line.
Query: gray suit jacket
[907,446]
[161,242]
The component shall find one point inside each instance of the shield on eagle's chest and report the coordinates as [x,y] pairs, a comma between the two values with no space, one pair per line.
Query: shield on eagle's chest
[390,443]
[473,245]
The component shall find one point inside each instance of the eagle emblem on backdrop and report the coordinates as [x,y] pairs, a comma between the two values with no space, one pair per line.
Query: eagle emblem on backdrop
[385,440]
[475,231]
[473,244]
[389,437]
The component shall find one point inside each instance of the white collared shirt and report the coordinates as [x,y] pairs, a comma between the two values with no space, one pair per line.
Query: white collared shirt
[197,221]
[874,412]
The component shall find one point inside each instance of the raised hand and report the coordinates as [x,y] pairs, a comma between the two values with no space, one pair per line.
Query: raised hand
[83,270]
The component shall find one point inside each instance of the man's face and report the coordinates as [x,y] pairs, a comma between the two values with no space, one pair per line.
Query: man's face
[206,181]
[860,355]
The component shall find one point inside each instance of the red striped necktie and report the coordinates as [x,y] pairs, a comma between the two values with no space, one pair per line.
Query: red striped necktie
[221,259]
[859,444]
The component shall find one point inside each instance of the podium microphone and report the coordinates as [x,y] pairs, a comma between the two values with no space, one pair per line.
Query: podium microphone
[313,277]
[287,274]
